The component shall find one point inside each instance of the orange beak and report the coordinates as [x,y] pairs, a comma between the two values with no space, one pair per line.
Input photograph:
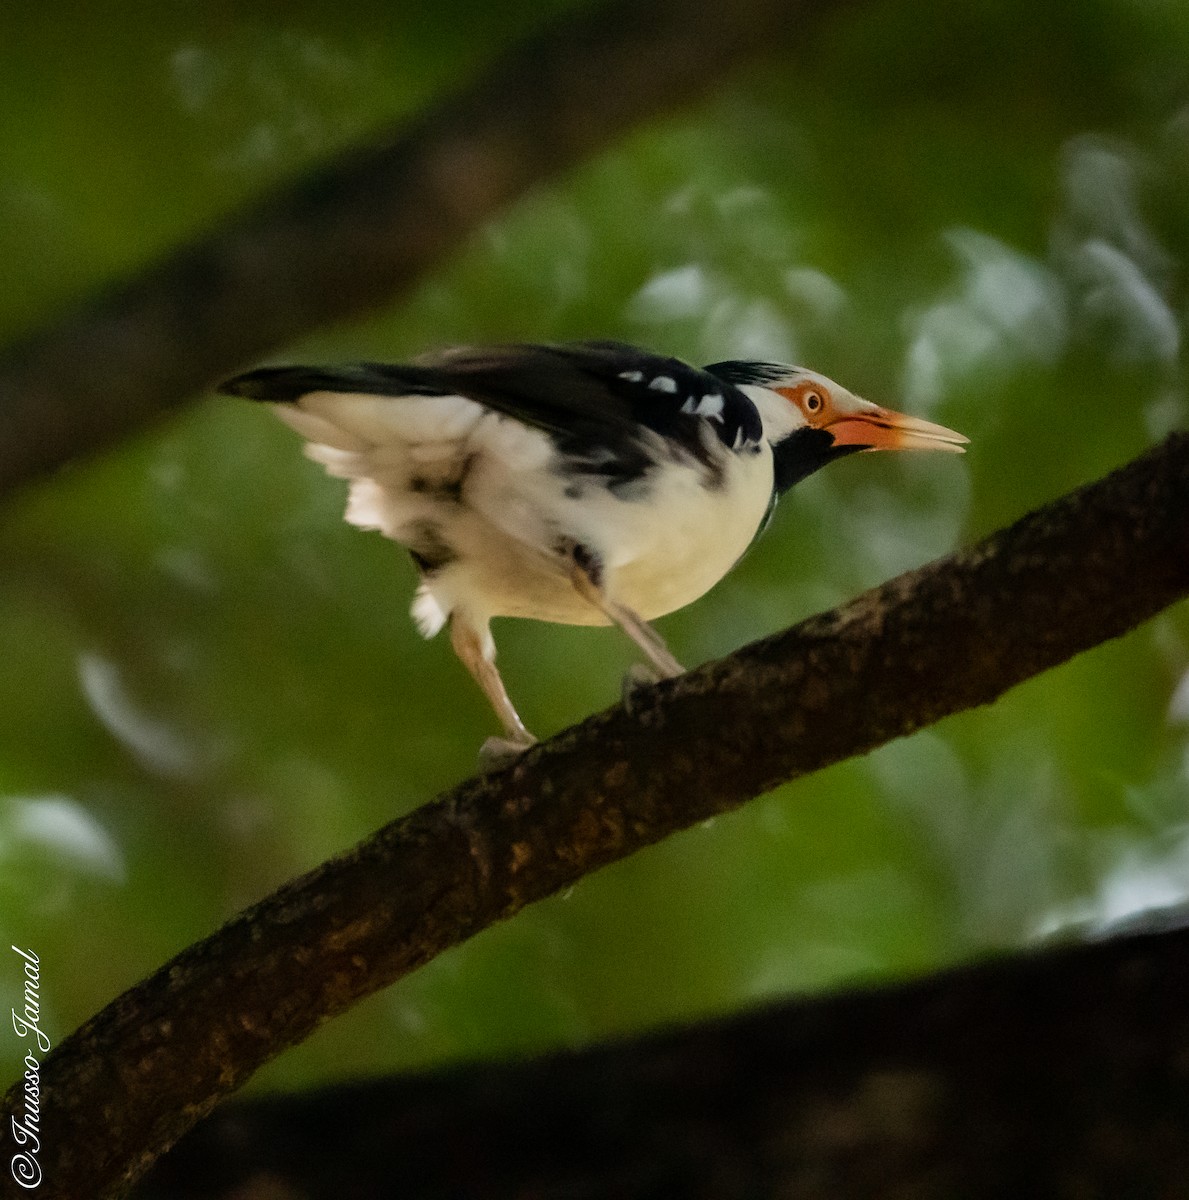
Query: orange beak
[877,428]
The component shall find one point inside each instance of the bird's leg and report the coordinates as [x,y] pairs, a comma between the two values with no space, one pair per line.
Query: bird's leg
[476,651]
[586,576]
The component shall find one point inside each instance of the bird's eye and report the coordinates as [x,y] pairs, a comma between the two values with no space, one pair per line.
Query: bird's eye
[813,402]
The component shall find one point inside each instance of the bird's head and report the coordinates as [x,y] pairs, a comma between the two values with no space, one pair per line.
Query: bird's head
[811,420]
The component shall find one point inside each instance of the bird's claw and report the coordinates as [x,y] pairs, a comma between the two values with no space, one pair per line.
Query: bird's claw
[497,753]
[635,679]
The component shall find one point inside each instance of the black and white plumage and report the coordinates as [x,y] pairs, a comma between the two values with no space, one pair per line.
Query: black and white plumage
[585,483]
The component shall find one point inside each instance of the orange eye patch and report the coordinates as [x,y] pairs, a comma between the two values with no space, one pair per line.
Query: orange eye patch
[811,398]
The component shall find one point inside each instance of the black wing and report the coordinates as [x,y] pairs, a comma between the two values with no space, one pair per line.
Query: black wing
[593,398]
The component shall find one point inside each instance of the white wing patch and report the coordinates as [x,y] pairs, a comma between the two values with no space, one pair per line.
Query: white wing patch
[710,406]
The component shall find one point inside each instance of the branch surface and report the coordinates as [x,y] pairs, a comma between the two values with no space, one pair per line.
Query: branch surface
[935,641]
[364,229]
[1064,1073]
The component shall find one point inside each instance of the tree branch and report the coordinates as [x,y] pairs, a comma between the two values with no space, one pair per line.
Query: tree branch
[365,228]
[947,637]
[1053,1074]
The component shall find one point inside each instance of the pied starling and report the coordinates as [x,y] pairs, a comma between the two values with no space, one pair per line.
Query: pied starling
[587,483]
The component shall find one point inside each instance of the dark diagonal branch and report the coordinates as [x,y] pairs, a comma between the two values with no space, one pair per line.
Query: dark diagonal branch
[947,637]
[1058,1074]
[364,229]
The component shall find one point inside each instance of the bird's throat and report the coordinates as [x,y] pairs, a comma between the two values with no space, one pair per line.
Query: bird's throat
[803,452]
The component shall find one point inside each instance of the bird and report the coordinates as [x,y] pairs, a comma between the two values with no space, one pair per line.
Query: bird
[581,483]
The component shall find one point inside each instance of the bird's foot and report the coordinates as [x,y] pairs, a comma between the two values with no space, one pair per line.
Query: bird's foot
[497,753]
[635,679]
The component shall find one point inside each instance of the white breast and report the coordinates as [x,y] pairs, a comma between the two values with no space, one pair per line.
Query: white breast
[668,550]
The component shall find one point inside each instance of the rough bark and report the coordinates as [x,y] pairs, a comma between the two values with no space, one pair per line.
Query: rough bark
[365,228]
[947,637]
[1064,1074]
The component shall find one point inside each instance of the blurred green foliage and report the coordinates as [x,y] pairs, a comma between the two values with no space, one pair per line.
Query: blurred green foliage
[977,212]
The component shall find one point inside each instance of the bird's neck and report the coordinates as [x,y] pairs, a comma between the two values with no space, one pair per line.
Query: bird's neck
[801,453]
